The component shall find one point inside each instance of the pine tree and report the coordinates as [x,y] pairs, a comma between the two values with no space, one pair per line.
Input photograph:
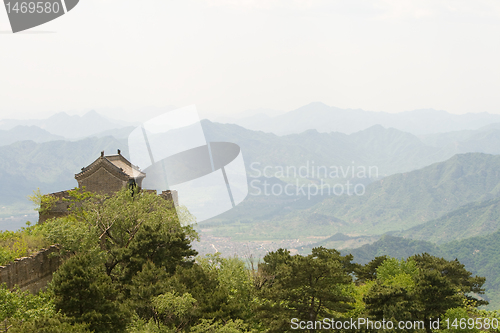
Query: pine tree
[85,294]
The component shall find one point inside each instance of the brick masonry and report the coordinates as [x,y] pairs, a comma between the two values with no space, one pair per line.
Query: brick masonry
[31,273]
[104,182]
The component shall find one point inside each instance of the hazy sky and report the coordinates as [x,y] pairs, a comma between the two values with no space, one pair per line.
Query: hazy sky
[227,56]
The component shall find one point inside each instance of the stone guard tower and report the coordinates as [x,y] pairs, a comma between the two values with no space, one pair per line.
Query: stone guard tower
[106,175]
[109,174]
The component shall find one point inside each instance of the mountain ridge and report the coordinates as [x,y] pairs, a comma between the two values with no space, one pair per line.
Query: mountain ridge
[67,126]
[474,219]
[23,133]
[394,203]
[324,118]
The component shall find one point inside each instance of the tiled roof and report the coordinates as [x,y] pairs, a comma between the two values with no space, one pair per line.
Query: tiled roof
[127,167]
[117,162]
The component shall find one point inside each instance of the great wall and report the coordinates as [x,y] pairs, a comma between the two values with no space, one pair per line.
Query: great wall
[105,175]
[31,273]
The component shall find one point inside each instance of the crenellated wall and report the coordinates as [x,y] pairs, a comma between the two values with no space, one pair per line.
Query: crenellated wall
[31,273]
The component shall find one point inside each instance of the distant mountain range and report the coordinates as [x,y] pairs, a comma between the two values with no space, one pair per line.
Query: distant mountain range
[69,127]
[23,133]
[474,219]
[484,139]
[422,189]
[428,124]
[389,150]
[51,166]
[394,203]
[327,119]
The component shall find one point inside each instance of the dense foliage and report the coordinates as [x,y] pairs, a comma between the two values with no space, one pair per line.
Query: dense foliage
[129,267]
[479,254]
[21,243]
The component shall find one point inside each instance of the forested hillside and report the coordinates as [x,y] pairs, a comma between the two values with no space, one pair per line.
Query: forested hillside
[480,255]
[405,200]
[394,203]
[474,219]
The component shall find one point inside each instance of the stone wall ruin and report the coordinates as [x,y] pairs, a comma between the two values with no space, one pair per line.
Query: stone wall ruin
[31,273]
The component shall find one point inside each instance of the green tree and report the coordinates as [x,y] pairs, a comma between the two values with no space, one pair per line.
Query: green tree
[391,302]
[166,245]
[212,298]
[134,229]
[150,282]
[73,235]
[171,308]
[422,288]
[235,279]
[43,203]
[441,285]
[130,241]
[85,294]
[21,243]
[17,305]
[309,287]
[180,300]
[368,272]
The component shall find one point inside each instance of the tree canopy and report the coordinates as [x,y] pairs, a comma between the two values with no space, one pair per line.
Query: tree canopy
[129,266]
